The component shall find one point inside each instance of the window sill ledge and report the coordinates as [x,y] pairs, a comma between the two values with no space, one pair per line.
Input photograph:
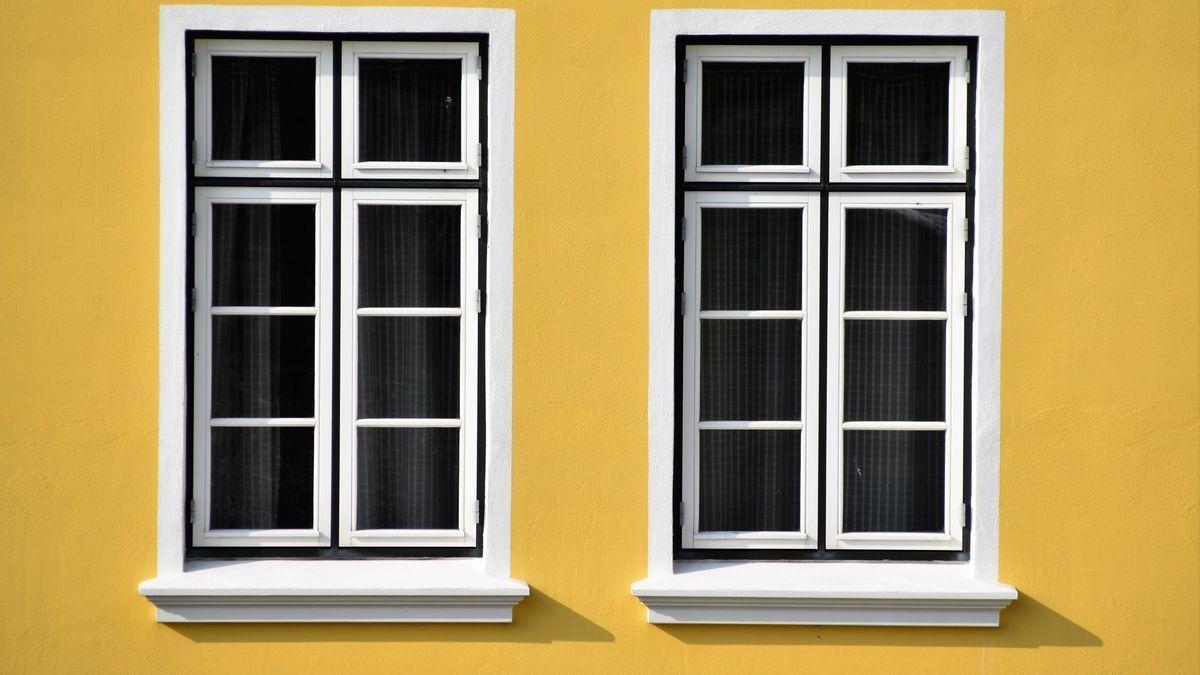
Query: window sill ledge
[455,591]
[819,593]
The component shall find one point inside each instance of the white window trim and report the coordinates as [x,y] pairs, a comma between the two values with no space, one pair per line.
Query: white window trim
[956,168]
[960,594]
[697,56]
[475,589]
[809,203]
[950,539]
[319,167]
[467,201]
[322,201]
[472,72]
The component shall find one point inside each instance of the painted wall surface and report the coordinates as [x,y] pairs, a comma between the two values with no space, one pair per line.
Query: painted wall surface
[1101,361]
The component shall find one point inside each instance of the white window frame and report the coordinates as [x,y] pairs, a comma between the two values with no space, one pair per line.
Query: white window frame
[323,590]
[697,56]
[319,167]
[467,312]
[694,204]
[472,72]
[965,593]
[950,539]
[202,532]
[955,170]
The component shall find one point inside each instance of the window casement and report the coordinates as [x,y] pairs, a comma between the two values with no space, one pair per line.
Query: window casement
[336,315]
[817,271]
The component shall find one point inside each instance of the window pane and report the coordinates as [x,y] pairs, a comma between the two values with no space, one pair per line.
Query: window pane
[408,367]
[263,366]
[410,110]
[752,113]
[896,259]
[751,369]
[893,481]
[264,108]
[407,479]
[262,478]
[897,113]
[264,255]
[895,371]
[750,481]
[751,259]
[408,256]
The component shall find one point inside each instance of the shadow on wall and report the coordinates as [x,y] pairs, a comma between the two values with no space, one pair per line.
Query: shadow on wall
[1026,623]
[539,618]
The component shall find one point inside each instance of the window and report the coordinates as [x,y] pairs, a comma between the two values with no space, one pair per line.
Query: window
[336,315]
[824,270]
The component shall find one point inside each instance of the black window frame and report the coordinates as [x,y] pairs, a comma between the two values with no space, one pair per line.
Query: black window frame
[823,188]
[335,183]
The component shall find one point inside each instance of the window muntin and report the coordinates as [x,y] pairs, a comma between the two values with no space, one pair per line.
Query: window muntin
[262,349]
[263,108]
[754,113]
[408,367]
[898,113]
[747,313]
[896,401]
[407,114]
[264,444]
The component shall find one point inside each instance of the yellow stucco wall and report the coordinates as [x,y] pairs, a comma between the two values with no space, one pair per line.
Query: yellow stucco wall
[1101,361]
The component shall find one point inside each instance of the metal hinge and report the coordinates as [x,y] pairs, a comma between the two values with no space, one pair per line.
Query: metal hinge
[685,70]
[191,510]
[685,154]
[479,66]
[968,73]
[193,151]
[192,64]
[962,514]
[682,304]
[682,513]
[479,227]
[683,229]
[476,511]
[478,300]
[192,300]
[966,304]
[192,224]
[966,229]
[967,157]
[479,153]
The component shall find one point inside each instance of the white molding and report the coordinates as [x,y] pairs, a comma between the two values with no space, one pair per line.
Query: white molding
[174,20]
[665,26]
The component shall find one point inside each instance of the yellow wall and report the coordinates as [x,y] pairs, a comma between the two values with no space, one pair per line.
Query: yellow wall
[1101,363]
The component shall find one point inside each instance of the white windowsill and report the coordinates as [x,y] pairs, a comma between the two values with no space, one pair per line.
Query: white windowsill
[824,593]
[334,591]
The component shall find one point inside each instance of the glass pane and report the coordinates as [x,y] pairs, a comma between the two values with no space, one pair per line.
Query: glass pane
[407,479]
[896,259]
[751,259]
[752,113]
[262,478]
[264,255]
[751,369]
[264,108]
[263,366]
[893,481]
[897,113]
[895,371]
[408,256]
[750,481]
[408,367]
[410,110]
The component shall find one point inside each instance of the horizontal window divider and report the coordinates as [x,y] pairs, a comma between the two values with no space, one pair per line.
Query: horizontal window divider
[897,316]
[813,186]
[769,534]
[746,424]
[408,311]
[263,311]
[269,534]
[898,168]
[316,183]
[894,426]
[811,40]
[894,536]
[263,422]
[411,422]
[391,534]
[751,314]
[331,36]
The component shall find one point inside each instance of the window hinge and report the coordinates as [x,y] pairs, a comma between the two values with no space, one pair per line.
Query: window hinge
[967,157]
[966,230]
[683,304]
[479,227]
[685,70]
[479,153]
[685,154]
[476,511]
[478,300]
[962,514]
[682,513]
[192,300]
[193,151]
[191,510]
[683,229]
[192,224]
[966,304]
[479,66]
[968,69]
[192,64]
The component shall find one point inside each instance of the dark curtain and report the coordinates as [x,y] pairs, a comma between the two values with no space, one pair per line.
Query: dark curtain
[893,481]
[409,110]
[752,113]
[263,108]
[897,113]
[262,478]
[407,478]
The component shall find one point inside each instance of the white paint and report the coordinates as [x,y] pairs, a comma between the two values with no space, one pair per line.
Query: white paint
[665,26]
[500,25]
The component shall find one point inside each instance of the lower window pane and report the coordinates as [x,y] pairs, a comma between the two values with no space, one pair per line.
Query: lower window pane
[262,478]
[263,366]
[408,367]
[407,479]
[893,481]
[751,369]
[895,371]
[750,481]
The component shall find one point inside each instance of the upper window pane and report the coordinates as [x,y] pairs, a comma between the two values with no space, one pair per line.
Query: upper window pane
[410,110]
[751,259]
[408,255]
[752,113]
[263,108]
[895,260]
[264,255]
[897,113]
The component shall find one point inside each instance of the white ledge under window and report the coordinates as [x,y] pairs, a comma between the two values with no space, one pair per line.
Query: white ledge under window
[860,594]
[343,590]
